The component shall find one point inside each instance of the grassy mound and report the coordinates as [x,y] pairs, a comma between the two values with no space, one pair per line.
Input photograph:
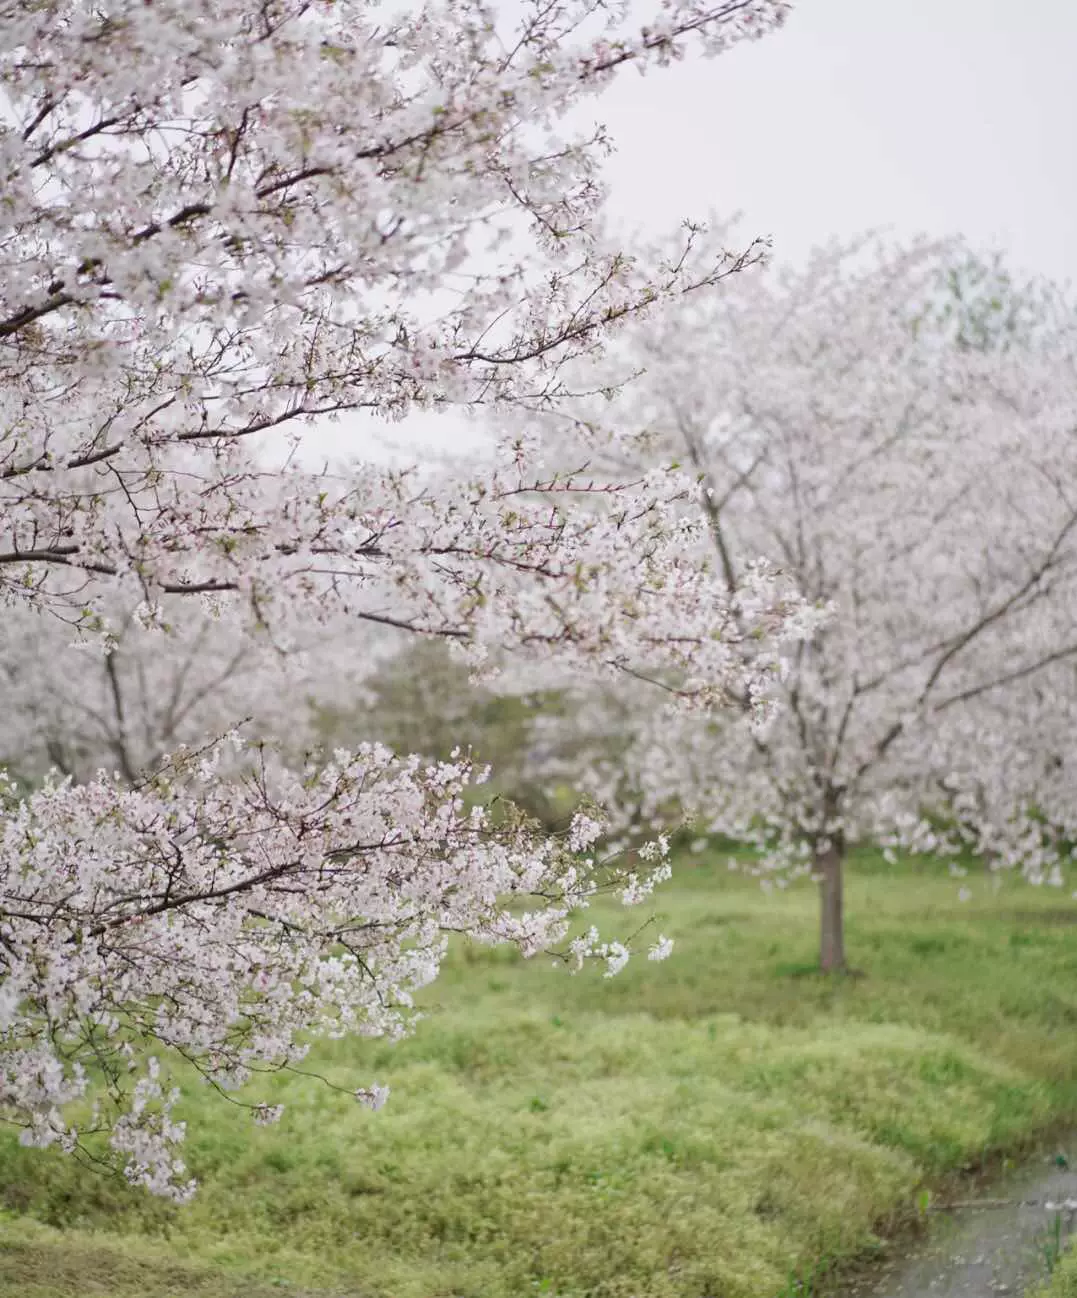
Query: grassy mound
[727,1123]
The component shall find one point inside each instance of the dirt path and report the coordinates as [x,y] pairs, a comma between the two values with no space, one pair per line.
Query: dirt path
[996,1244]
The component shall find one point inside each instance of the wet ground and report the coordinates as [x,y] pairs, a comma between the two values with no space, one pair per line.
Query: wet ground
[999,1241]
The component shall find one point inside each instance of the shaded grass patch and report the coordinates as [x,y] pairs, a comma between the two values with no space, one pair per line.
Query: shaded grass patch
[710,1126]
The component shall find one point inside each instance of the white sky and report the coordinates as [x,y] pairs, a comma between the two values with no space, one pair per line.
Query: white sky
[918,116]
[924,116]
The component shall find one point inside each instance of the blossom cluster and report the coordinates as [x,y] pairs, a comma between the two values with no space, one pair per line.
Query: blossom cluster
[222,221]
[920,489]
[226,922]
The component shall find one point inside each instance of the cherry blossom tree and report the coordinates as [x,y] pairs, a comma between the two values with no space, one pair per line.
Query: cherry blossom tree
[222,220]
[920,480]
[124,700]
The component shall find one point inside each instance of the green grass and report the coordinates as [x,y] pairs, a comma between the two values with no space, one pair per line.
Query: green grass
[725,1123]
[1062,1282]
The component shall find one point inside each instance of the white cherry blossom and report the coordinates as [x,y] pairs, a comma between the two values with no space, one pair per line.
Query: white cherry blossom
[222,220]
[922,489]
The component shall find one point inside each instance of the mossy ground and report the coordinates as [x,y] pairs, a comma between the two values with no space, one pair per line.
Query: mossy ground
[723,1124]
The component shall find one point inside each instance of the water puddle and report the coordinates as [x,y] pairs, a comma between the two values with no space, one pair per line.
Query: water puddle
[997,1242]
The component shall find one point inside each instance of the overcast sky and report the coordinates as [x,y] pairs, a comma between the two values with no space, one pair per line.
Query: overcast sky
[920,116]
[934,116]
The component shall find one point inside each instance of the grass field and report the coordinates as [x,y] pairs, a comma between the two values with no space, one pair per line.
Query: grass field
[1063,1279]
[724,1124]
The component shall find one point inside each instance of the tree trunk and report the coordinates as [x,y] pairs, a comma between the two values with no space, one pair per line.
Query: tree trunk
[829,868]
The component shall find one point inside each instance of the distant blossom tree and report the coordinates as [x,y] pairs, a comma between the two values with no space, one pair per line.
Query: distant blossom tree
[220,220]
[124,700]
[914,468]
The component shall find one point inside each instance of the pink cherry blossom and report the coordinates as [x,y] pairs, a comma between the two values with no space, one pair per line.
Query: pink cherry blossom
[221,221]
[919,491]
